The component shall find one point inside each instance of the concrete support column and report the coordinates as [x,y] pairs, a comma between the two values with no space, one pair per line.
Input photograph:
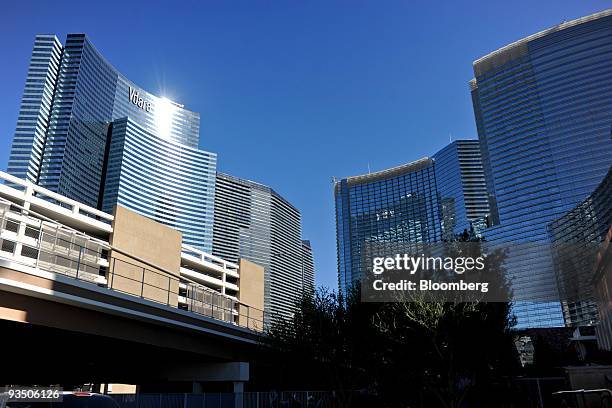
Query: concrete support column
[21,229]
[196,387]
[238,386]
[238,396]
[235,373]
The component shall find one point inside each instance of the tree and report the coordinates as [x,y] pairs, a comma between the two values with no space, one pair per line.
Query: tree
[455,350]
[413,352]
[321,347]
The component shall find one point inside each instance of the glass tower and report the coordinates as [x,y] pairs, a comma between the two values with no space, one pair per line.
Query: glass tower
[577,238]
[393,206]
[33,121]
[542,107]
[254,222]
[462,188]
[308,273]
[164,180]
[75,103]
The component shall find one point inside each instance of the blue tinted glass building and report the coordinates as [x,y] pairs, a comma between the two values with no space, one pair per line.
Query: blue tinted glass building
[577,239]
[394,206]
[543,113]
[162,179]
[33,121]
[75,103]
[254,222]
[461,187]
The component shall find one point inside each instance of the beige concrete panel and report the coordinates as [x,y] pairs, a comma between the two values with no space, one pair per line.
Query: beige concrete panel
[144,238]
[251,285]
[137,238]
[121,389]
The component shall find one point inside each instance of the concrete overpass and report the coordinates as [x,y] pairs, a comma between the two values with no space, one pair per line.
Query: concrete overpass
[80,305]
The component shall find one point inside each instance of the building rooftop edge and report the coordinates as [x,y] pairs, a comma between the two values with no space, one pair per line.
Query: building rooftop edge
[93,46]
[539,34]
[454,142]
[390,172]
[259,185]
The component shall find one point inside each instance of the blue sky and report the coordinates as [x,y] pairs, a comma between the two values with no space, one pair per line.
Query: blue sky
[292,93]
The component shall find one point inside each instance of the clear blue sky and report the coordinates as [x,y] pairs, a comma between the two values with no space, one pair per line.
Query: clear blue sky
[292,93]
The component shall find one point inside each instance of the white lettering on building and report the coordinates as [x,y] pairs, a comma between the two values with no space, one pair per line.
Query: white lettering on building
[138,101]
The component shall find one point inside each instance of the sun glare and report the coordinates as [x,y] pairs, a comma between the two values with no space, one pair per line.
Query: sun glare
[164,111]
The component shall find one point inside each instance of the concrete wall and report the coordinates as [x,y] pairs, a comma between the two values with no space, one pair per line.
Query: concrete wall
[251,295]
[136,239]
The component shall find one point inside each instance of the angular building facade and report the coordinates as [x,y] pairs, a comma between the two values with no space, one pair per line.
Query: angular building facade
[35,111]
[254,222]
[308,276]
[87,132]
[576,239]
[462,188]
[542,107]
[386,208]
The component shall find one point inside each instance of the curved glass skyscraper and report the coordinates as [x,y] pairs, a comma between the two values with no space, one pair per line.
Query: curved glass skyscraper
[577,239]
[162,179]
[385,208]
[78,111]
[543,108]
[254,222]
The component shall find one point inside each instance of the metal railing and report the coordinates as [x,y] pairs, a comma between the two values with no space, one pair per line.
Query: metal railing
[143,282]
[34,193]
[49,246]
[31,239]
[585,398]
[269,399]
[210,303]
[210,258]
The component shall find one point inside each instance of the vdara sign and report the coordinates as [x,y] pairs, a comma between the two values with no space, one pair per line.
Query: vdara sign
[138,101]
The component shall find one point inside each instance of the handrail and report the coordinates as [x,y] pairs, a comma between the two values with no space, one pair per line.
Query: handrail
[107,245]
[206,255]
[109,217]
[27,211]
[583,391]
[76,207]
[94,262]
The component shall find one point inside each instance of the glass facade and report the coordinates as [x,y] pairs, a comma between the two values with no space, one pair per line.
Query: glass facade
[394,206]
[576,240]
[74,103]
[254,222]
[542,108]
[308,274]
[462,189]
[163,180]
[33,121]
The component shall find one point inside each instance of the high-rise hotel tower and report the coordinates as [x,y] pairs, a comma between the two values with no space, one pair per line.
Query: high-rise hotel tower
[543,108]
[254,222]
[384,209]
[87,132]
[426,201]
